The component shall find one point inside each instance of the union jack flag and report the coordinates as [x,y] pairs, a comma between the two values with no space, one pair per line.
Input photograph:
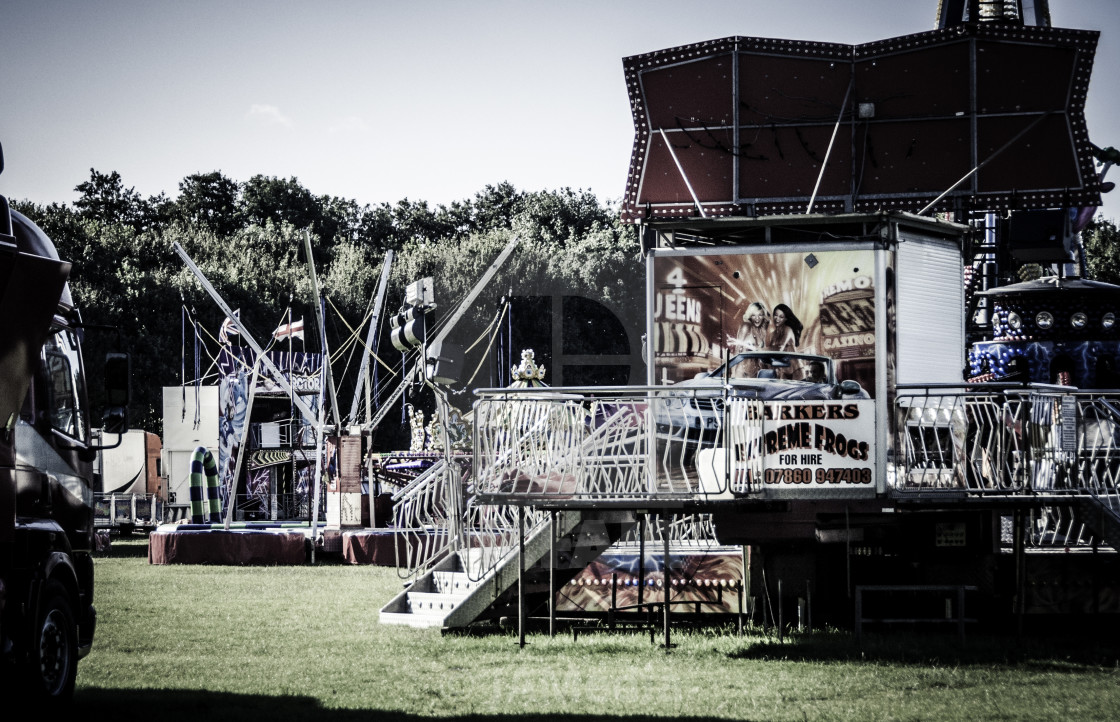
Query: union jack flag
[228,328]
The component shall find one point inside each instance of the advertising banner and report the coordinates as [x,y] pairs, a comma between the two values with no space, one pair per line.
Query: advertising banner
[301,370]
[815,444]
[794,330]
[710,308]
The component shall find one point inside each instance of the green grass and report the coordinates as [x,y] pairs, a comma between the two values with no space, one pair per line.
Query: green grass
[287,643]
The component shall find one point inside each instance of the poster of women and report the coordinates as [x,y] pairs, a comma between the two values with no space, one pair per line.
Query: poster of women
[710,307]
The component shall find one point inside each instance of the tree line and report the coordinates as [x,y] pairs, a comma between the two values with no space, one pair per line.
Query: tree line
[247,238]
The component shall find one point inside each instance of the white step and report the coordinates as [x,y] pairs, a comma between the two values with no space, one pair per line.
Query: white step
[428,603]
[405,619]
[453,583]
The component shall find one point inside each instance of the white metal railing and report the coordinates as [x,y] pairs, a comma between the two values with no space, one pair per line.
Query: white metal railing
[422,519]
[1008,440]
[638,444]
[491,534]
[684,529]
[615,444]
[436,514]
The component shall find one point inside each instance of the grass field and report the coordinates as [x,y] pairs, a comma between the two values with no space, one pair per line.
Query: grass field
[293,643]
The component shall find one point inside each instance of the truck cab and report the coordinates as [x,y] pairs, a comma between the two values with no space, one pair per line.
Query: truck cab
[47,481]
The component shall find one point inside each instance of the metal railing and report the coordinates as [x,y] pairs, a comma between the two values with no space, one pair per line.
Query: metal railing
[684,530]
[616,444]
[436,514]
[132,510]
[641,444]
[1037,440]
[288,507]
[959,439]
[292,434]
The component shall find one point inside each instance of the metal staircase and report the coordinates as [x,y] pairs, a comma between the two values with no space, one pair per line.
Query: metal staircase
[481,581]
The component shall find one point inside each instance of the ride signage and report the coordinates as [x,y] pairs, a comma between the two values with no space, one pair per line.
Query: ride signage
[814,443]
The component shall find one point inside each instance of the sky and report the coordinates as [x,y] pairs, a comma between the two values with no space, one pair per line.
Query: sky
[377,101]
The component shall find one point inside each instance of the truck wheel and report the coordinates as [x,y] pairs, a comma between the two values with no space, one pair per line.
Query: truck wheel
[54,658]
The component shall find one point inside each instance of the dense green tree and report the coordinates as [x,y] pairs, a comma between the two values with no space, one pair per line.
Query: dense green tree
[1102,250]
[557,217]
[339,220]
[415,221]
[209,200]
[495,207]
[265,198]
[57,220]
[105,199]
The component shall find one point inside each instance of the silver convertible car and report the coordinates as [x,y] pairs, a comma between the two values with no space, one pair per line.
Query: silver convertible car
[692,410]
[776,376]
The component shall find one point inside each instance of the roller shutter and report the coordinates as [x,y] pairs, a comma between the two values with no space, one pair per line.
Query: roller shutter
[929,310]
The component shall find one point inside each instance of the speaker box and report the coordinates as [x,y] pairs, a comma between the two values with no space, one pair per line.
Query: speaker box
[1039,236]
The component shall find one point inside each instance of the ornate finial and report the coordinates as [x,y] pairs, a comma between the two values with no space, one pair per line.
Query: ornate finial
[528,370]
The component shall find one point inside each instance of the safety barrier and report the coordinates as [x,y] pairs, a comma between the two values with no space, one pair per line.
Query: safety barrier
[295,506]
[640,443]
[614,444]
[1037,440]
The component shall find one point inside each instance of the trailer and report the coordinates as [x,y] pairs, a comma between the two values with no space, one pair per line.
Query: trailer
[190,420]
[133,496]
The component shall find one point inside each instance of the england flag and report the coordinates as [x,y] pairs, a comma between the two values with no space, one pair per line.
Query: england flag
[293,329]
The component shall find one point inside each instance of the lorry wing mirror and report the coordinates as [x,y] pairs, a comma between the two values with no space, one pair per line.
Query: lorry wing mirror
[118,392]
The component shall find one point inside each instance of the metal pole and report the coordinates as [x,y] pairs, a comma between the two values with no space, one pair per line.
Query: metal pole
[741,598]
[665,575]
[1020,572]
[521,577]
[745,585]
[371,338]
[315,477]
[848,551]
[320,319]
[960,612]
[987,160]
[552,577]
[809,605]
[827,153]
[781,616]
[278,375]
[641,559]
[614,599]
[680,169]
[445,329]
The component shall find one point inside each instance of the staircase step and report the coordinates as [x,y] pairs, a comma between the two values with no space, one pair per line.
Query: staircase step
[457,584]
[411,620]
[1102,518]
[429,604]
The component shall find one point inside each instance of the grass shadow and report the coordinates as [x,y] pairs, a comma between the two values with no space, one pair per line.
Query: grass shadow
[1070,654]
[129,547]
[97,704]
